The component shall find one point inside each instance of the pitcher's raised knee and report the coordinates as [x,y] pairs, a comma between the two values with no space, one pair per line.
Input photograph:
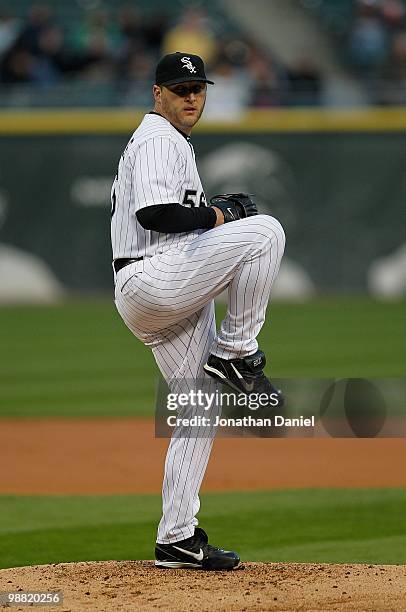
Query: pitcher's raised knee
[268,227]
[276,229]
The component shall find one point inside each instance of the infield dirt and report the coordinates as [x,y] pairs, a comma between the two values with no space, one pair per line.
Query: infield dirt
[107,455]
[138,585]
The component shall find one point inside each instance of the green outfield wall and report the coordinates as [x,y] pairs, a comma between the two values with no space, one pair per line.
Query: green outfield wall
[336,180]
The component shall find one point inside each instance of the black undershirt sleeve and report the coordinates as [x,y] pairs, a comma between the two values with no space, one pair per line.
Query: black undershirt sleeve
[174,218]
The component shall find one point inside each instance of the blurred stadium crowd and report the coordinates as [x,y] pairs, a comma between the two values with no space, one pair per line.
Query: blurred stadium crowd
[121,47]
[106,54]
[371,35]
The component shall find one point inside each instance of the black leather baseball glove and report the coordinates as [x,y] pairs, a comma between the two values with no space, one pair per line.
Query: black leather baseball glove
[234,206]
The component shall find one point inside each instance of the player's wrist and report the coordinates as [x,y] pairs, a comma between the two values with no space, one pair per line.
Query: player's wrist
[219,216]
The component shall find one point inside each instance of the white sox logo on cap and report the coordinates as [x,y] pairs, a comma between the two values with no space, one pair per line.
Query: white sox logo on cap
[188,64]
[169,70]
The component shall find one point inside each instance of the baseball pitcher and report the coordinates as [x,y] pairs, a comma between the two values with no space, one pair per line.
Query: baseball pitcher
[172,255]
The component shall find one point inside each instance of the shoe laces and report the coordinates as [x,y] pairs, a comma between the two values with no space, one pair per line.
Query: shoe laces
[201,539]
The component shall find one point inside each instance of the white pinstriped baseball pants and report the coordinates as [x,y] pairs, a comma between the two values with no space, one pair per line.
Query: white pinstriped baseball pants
[167,302]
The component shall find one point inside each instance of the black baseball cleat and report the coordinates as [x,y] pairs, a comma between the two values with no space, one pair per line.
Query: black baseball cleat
[244,375]
[195,552]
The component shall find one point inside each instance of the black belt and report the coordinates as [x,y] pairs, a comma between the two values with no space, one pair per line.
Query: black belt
[120,263]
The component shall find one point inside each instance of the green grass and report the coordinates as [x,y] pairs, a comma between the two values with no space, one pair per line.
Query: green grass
[341,526]
[78,359]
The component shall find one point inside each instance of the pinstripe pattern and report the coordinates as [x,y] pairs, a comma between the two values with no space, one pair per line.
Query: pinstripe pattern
[184,351]
[155,294]
[157,166]
[166,299]
[167,302]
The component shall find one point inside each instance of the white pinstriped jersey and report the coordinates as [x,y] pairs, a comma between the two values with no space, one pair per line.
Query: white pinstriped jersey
[168,301]
[157,166]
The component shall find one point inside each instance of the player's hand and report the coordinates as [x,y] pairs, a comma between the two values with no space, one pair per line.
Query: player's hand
[234,206]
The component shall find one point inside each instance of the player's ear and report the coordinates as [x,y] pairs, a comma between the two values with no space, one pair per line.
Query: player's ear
[156,91]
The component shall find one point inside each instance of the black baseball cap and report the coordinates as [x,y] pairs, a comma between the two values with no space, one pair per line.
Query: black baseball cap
[180,67]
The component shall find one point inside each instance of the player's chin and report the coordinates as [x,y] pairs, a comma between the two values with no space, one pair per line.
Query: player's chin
[190,117]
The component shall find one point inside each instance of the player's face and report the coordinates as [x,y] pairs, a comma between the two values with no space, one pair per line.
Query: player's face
[181,104]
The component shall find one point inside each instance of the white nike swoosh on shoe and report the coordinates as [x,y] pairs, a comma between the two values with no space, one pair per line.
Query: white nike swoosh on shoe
[239,375]
[198,556]
[247,386]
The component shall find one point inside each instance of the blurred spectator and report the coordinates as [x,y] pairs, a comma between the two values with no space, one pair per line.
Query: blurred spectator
[9,29]
[130,24]
[17,66]
[268,82]
[393,85]
[393,13]
[236,51]
[192,34]
[368,42]
[305,83]
[98,34]
[40,18]
[94,44]
[140,67]
[48,64]
[36,55]
[263,78]
[229,96]
[155,30]
[142,39]
[399,54]
[137,76]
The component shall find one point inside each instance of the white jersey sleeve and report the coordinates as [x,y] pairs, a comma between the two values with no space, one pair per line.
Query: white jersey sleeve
[158,173]
[157,166]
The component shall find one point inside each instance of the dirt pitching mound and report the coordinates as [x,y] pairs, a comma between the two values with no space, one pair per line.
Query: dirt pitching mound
[135,585]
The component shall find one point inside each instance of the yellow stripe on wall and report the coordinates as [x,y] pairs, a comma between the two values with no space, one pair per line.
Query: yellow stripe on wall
[49,121]
[109,121]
